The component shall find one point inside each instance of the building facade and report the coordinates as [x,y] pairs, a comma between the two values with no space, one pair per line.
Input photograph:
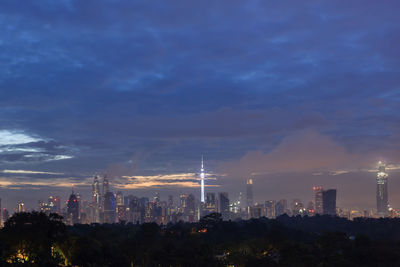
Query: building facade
[73,209]
[223,205]
[382,198]
[329,202]
[318,206]
[109,208]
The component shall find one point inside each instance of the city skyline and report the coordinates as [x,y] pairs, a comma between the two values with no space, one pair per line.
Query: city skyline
[195,188]
[322,202]
[289,95]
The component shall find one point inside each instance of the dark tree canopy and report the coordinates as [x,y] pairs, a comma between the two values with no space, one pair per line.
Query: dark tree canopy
[34,239]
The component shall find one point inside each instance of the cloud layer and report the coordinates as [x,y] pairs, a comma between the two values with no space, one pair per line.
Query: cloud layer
[271,86]
[306,151]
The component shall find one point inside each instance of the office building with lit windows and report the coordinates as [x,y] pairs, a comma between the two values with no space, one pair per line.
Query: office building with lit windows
[382,200]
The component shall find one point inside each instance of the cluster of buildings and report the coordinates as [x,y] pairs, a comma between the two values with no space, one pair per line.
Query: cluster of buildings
[106,206]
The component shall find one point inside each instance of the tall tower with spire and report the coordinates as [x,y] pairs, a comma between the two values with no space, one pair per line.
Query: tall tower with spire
[382,190]
[202,176]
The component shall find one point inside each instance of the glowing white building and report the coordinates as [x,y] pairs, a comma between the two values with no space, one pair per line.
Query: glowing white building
[382,190]
[249,193]
[202,177]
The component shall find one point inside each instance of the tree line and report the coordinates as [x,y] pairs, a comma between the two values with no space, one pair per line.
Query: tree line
[35,239]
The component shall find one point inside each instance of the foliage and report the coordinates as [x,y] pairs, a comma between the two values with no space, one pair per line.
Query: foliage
[30,238]
[34,239]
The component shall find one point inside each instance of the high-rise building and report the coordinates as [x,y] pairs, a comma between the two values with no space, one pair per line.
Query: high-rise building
[240,199]
[119,198]
[21,207]
[382,200]
[329,202]
[210,205]
[128,199]
[95,207]
[121,213]
[281,207]
[170,203]
[190,211]
[164,217]
[170,207]
[256,211]
[270,209]
[318,209]
[96,191]
[54,204]
[183,199]
[249,192]
[297,207]
[141,203]
[6,215]
[156,198]
[109,208]
[1,215]
[202,177]
[73,209]
[106,185]
[133,215]
[223,205]
[78,197]
[211,202]
[235,209]
[187,207]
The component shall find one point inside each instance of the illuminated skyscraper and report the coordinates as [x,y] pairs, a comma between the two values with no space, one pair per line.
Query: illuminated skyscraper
[183,202]
[21,207]
[318,209]
[382,190]
[270,209]
[121,213]
[120,198]
[202,176]
[121,208]
[249,192]
[211,203]
[95,191]
[249,196]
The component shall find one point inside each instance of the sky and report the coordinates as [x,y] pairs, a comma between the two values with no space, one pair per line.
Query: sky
[290,94]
